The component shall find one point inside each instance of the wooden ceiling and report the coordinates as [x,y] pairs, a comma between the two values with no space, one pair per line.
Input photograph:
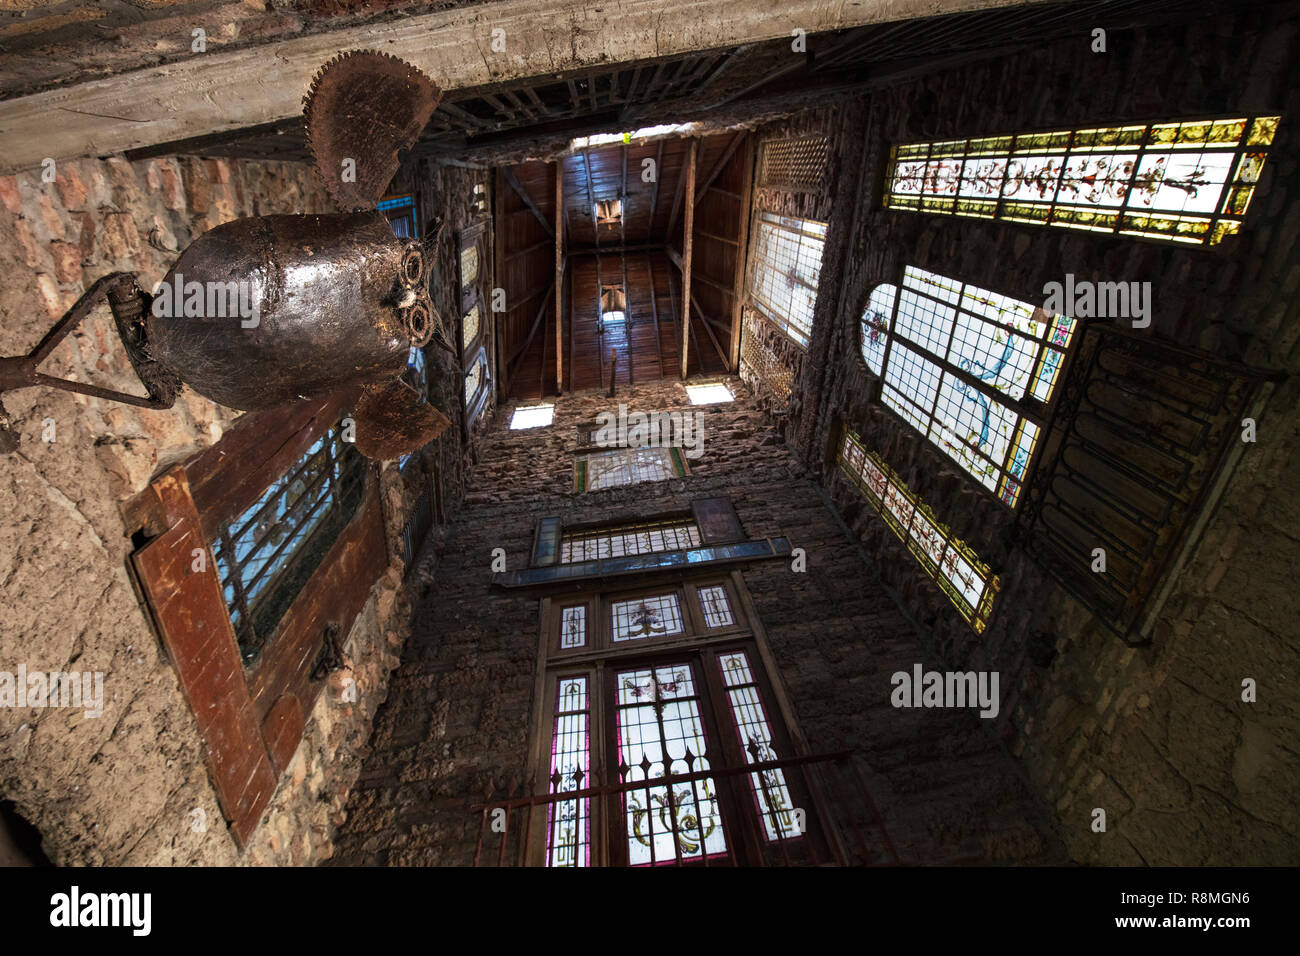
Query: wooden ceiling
[642,254]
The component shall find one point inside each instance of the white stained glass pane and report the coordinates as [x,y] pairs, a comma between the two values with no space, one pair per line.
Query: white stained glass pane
[532,416]
[660,732]
[768,786]
[469,327]
[468,265]
[708,394]
[473,381]
[627,466]
[628,540]
[639,618]
[876,325]
[569,824]
[716,607]
[573,627]
[788,254]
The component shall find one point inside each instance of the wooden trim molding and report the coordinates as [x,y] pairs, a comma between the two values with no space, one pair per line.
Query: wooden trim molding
[251,719]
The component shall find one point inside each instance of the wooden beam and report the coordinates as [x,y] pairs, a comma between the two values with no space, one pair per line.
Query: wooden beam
[708,327]
[725,158]
[654,310]
[677,203]
[502,378]
[611,250]
[559,277]
[676,259]
[591,197]
[742,253]
[532,332]
[688,245]
[654,193]
[224,90]
[613,370]
[513,180]
[622,258]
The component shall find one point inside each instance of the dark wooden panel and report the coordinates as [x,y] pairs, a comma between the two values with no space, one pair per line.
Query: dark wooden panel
[335,594]
[190,614]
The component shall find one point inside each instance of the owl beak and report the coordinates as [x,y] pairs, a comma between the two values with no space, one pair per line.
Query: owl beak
[407,300]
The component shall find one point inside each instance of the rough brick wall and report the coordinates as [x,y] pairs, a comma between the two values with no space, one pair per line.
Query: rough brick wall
[456,723]
[1159,735]
[121,788]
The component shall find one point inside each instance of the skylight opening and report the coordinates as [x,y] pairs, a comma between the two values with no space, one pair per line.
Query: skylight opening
[613,318]
[709,394]
[609,210]
[645,132]
[532,416]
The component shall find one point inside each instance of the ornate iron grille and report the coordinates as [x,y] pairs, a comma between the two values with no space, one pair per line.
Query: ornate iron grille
[1136,452]
[797,165]
[269,552]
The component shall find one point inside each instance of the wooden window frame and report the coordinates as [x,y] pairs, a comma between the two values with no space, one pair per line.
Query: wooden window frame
[251,720]
[700,647]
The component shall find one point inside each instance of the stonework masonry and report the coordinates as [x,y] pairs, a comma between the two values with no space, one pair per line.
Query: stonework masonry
[1159,736]
[122,788]
[455,727]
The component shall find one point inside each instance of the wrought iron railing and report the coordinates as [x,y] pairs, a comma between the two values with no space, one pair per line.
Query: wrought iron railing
[842,827]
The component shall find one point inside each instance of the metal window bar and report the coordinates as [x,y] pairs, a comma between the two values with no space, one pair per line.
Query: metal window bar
[846,822]
[266,554]
[646,537]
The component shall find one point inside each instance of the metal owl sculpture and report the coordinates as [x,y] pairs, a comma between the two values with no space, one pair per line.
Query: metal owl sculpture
[268,310]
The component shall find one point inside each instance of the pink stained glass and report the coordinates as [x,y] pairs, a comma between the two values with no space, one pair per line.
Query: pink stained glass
[569,821]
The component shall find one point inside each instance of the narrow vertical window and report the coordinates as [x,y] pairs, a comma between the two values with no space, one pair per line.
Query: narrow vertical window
[569,826]
[787,255]
[954,566]
[768,787]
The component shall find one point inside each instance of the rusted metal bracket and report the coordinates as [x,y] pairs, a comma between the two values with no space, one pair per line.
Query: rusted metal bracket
[129,304]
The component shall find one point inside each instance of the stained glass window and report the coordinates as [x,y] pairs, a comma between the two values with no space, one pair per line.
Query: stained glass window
[951,354]
[474,379]
[569,824]
[661,732]
[647,537]
[469,326]
[627,466]
[573,627]
[787,255]
[1182,181]
[657,616]
[716,607]
[468,265]
[768,787]
[954,566]
[663,704]
[266,554]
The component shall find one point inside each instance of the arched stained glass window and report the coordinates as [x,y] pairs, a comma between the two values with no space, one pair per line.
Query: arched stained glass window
[1181,181]
[968,368]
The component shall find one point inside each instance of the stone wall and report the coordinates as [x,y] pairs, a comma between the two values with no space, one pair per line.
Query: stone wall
[123,788]
[1159,735]
[456,724]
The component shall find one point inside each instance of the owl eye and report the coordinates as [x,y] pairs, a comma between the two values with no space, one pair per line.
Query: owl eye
[412,266]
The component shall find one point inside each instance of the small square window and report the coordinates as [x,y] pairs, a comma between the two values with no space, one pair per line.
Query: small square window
[709,394]
[609,210]
[532,416]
